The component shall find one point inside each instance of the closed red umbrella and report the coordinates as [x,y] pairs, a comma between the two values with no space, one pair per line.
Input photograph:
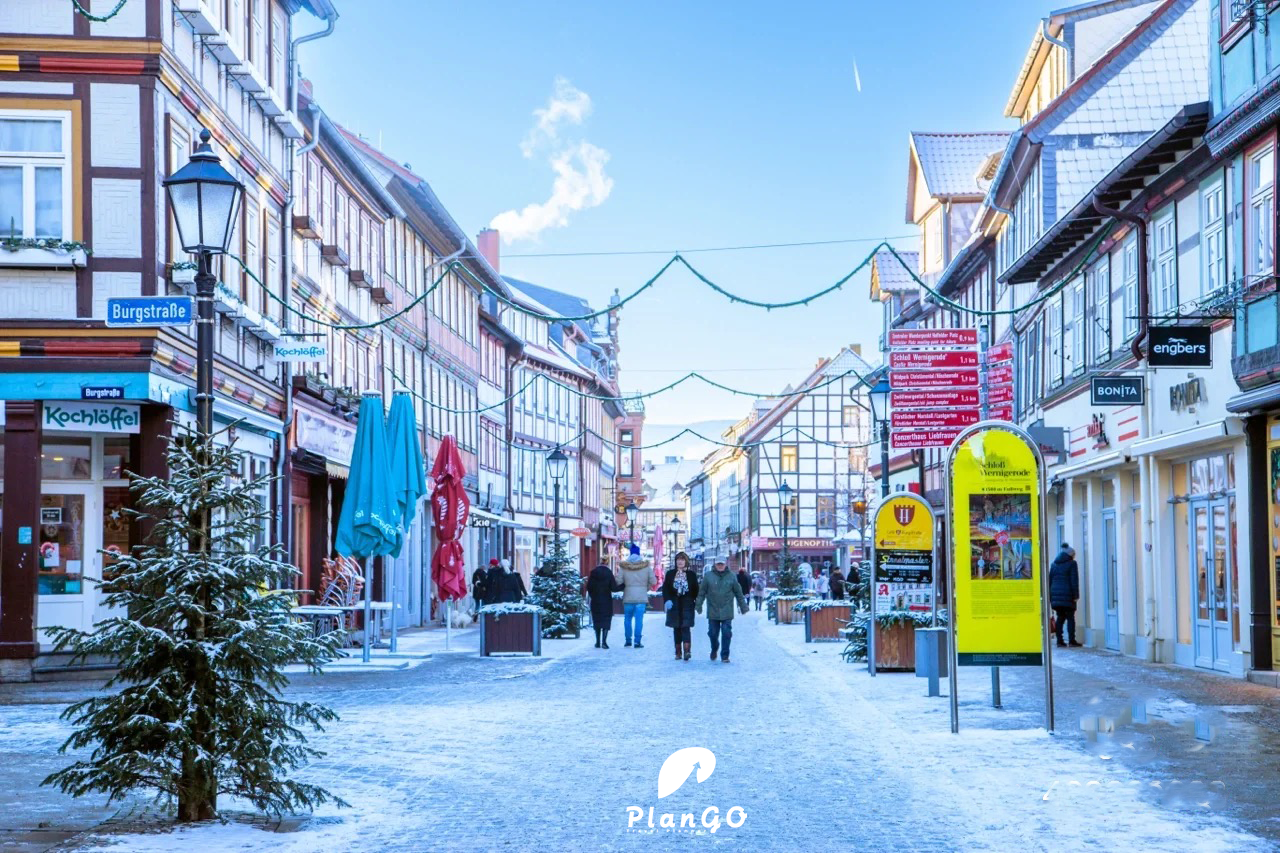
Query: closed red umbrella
[449,511]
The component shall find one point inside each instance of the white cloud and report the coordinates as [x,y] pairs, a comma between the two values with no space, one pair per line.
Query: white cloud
[580,180]
[568,104]
[580,183]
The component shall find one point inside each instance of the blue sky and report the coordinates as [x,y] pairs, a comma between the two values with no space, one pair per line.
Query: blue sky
[710,124]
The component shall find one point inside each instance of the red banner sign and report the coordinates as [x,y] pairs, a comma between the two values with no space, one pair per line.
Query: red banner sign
[911,418]
[999,394]
[1000,352]
[912,439]
[999,374]
[920,379]
[933,337]
[1001,413]
[933,358]
[967,397]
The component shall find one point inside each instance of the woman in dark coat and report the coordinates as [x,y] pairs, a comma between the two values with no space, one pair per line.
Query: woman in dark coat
[679,592]
[601,585]
[1064,592]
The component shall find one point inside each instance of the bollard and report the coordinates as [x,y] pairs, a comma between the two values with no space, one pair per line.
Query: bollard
[931,656]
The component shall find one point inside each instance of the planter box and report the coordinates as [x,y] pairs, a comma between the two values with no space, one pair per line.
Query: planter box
[510,633]
[896,648]
[824,624]
[787,614]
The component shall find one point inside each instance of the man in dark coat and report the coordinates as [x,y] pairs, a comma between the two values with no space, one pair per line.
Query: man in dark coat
[601,585]
[1064,592]
[511,587]
[837,585]
[744,581]
[479,588]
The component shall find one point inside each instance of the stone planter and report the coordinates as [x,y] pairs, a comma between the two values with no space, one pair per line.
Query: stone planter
[823,624]
[511,634]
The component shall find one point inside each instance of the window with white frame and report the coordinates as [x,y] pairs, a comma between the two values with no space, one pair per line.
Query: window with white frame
[1214,275]
[1100,296]
[1165,243]
[1055,340]
[1129,284]
[1261,226]
[35,174]
[1075,298]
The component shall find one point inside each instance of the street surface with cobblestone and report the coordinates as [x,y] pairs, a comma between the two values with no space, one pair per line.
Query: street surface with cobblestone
[464,753]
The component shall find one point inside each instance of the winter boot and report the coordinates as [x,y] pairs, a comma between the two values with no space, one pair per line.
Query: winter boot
[597,638]
[679,650]
[688,650]
[604,639]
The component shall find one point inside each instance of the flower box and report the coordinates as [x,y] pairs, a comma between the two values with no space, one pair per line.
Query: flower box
[786,610]
[824,619]
[507,629]
[32,256]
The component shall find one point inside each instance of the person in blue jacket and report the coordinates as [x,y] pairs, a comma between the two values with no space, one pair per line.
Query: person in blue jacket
[1064,592]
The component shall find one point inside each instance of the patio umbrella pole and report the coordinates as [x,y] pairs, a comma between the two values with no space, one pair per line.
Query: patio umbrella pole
[394,588]
[448,622]
[368,608]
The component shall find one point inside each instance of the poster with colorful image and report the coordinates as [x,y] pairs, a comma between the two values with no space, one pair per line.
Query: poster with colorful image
[1000,537]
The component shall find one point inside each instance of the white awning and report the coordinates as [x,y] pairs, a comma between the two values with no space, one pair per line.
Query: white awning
[1087,466]
[489,516]
[1202,434]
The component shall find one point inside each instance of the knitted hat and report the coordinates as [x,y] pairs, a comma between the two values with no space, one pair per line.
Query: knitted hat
[635,550]
[494,561]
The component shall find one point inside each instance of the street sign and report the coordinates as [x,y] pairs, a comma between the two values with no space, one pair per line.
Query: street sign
[929,399]
[101,392]
[1116,391]
[933,358]
[920,379]
[903,531]
[915,439]
[1000,352]
[1002,393]
[295,352]
[146,311]
[933,338]
[1001,413]
[1180,346]
[1000,374]
[932,418]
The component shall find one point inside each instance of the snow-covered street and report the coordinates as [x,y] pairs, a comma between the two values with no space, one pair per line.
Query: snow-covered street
[464,753]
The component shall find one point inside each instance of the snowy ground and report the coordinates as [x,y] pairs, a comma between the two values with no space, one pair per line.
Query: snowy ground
[462,753]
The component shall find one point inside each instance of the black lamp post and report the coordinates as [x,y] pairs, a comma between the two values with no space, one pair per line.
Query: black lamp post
[205,199]
[558,469]
[677,526]
[879,396]
[784,502]
[633,512]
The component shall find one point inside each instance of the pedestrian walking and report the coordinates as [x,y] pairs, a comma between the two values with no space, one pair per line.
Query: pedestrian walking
[637,577]
[822,583]
[493,583]
[744,580]
[511,589]
[837,584]
[1064,592]
[806,578]
[479,592]
[720,590]
[601,585]
[757,589]
[679,595]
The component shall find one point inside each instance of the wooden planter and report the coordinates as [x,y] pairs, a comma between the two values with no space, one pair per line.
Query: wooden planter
[823,624]
[787,614]
[510,633]
[896,648]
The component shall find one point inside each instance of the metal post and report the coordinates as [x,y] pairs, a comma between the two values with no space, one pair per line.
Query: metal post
[884,459]
[205,284]
[871,605]
[984,412]
[995,687]
[555,493]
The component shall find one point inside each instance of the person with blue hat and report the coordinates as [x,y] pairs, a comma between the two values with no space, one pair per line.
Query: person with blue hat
[637,579]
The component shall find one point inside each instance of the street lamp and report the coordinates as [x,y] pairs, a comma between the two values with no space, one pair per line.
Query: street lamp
[860,507]
[784,499]
[676,527]
[205,199]
[879,396]
[632,512]
[558,469]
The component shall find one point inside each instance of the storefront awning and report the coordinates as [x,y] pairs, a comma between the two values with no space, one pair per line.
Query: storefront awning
[1188,437]
[1259,399]
[490,517]
[1087,466]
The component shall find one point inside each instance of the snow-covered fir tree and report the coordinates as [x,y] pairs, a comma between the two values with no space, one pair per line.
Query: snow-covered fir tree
[557,589]
[202,634]
[788,579]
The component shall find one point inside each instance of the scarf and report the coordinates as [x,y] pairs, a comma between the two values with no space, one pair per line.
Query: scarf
[681,583]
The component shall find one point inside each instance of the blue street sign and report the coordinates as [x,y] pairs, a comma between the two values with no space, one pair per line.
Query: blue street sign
[142,311]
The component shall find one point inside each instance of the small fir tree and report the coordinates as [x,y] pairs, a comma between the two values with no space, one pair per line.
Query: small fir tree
[201,641]
[557,589]
[789,580]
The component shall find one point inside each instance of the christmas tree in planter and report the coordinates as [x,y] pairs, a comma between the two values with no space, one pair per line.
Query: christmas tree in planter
[557,589]
[198,712]
[788,579]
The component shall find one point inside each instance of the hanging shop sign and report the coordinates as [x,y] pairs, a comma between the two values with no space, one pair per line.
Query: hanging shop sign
[933,337]
[297,352]
[922,379]
[903,576]
[330,438]
[1116,391]
[1180,346]
[916,439]
[91,417]
[940,398]
[932,418]
[928,359]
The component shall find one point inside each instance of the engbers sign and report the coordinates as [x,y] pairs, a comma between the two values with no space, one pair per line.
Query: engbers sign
[1180,346]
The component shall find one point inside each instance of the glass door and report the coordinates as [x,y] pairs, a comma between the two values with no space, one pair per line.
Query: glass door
[1211,560]
[1111,631]
[69,537]
[1223,584]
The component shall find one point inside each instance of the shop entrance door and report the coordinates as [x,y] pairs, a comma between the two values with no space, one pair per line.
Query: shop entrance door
[1111,570]
[69,536]
[1211,563]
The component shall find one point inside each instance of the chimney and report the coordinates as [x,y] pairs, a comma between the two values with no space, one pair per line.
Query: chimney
[857,349]
[487,243]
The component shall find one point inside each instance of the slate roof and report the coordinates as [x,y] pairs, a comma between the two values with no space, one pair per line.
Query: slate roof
[889,276]
[950,161]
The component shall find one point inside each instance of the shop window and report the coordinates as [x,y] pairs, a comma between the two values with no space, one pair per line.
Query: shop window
[117,458]
[61,566]
[66,459]
[35,185]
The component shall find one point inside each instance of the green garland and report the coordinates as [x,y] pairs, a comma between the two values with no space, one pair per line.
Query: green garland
[49,244]
[75,4]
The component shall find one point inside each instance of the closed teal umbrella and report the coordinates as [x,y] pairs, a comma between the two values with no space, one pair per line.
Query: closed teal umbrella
[408,476]
[369,525]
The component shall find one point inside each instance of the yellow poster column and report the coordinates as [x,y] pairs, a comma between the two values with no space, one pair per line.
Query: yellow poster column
[902,580]
[999,584]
